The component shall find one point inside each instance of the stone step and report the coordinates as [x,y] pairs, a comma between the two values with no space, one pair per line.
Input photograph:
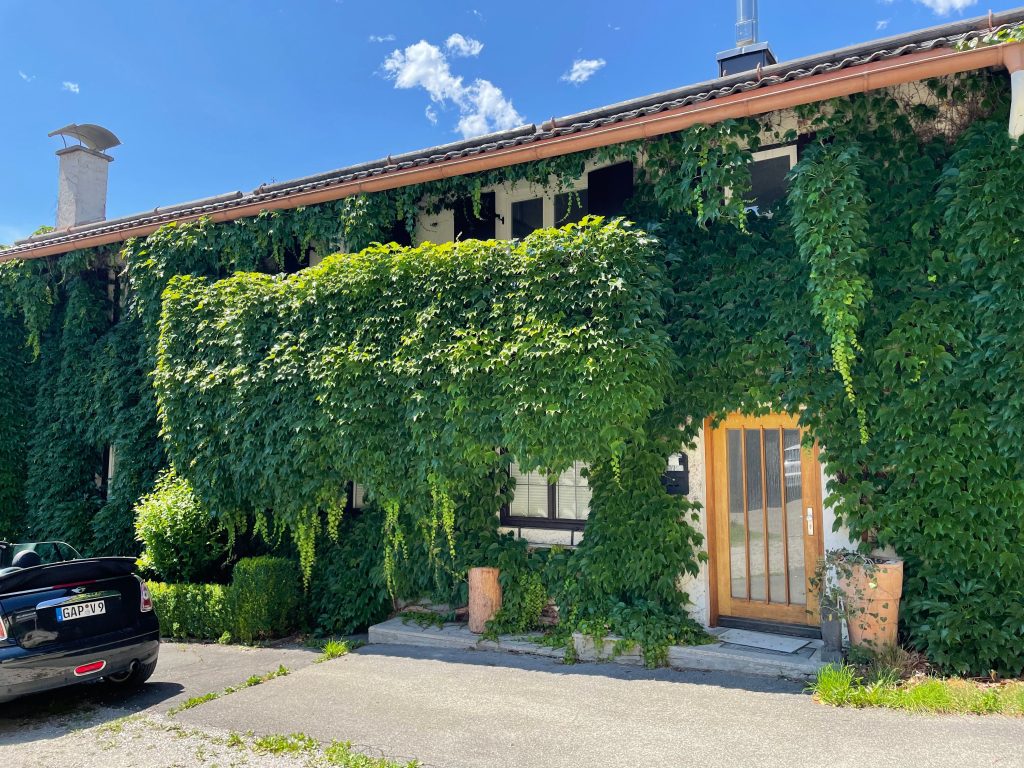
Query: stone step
[714,657]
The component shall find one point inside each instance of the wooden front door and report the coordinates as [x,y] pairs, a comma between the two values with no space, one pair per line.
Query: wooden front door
[765,519]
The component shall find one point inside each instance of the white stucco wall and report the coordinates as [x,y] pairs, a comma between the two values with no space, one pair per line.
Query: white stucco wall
[698,587]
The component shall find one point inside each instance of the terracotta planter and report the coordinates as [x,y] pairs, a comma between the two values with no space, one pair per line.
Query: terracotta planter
[484,597]
[873,604]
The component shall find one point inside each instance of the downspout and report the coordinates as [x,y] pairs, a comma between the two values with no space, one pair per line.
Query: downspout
[1013,57]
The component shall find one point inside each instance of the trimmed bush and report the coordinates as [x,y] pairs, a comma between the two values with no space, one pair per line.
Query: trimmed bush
[183,543]
[265,598]
[197,611]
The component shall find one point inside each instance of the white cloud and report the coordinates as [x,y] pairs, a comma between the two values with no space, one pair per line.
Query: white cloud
[881,24]
[463,46]
[582,70]
[26,78]
[482,105]
[67,85]
[477,13]
[943,7]
[382,38]
[431,114]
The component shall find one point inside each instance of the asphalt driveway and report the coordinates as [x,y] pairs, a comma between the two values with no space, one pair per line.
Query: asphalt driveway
[476,709]
[63,728]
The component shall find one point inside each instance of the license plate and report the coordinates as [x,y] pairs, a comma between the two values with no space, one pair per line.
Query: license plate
[81,610]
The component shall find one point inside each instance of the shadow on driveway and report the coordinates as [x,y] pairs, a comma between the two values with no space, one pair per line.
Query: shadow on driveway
[610,670]
[50,715]
[183,671]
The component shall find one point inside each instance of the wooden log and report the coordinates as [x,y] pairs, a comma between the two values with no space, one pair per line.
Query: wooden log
[484,597]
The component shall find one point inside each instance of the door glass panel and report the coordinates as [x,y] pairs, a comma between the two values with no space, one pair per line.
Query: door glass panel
[776,538]
[755,512]
[794,515]
[737,527]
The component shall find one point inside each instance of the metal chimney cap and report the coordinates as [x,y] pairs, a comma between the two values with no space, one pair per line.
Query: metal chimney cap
[92,136]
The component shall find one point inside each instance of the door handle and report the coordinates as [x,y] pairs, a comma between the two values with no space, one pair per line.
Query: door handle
[809,518]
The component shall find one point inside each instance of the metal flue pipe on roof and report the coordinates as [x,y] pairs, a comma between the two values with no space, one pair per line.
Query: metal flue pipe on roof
[746,22]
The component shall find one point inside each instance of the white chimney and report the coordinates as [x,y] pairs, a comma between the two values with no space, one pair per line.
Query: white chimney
[82,175]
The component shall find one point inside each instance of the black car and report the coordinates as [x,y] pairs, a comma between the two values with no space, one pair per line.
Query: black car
[65,619]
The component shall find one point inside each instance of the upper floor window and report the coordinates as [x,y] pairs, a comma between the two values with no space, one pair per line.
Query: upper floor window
[768,182]
[527,216]
[603,192]
[469,226]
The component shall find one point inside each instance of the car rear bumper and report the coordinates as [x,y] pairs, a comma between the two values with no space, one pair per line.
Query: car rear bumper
[24,671]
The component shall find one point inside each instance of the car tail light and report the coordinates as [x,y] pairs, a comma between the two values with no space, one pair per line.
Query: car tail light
[145,598]
[3,627]
[88,669]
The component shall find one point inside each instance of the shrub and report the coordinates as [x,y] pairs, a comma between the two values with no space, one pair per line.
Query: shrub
[199,611]
[182,541]
[348,591]
[265,598]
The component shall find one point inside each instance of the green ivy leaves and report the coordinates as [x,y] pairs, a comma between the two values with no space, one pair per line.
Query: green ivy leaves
[408,368]
[829,207]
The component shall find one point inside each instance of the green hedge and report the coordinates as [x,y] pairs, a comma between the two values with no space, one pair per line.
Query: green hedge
[265,598]
[197,611]
[263,601]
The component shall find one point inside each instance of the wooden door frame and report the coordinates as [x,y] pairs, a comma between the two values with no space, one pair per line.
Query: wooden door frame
[711,517]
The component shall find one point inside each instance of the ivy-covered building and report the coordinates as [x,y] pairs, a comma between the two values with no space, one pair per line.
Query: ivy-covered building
[815,345]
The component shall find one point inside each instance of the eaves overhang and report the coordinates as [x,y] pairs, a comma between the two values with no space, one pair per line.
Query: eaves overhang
[883,63]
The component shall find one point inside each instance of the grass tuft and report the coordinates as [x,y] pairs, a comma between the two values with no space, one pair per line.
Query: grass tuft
[333,649]
[340,754]
[292,744]
[843,686]
[195,701]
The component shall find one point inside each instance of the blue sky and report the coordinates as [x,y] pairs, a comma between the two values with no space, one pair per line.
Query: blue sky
[210,96]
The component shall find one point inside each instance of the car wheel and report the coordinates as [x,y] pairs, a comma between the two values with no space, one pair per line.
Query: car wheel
[133,677]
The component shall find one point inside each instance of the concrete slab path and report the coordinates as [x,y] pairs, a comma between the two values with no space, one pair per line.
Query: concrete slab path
[480,709]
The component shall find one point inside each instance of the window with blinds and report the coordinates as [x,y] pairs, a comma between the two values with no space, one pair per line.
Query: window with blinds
[538,503]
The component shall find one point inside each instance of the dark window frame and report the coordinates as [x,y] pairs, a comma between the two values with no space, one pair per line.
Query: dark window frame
[551,522]
[798,146]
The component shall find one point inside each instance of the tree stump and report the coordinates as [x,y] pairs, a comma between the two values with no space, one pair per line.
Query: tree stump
[484,597]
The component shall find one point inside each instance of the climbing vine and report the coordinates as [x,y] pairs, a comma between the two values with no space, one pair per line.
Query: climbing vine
[426,359]
[829,211]
[893,263]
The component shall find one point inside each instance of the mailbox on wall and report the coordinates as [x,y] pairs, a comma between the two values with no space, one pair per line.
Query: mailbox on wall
[677,477]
